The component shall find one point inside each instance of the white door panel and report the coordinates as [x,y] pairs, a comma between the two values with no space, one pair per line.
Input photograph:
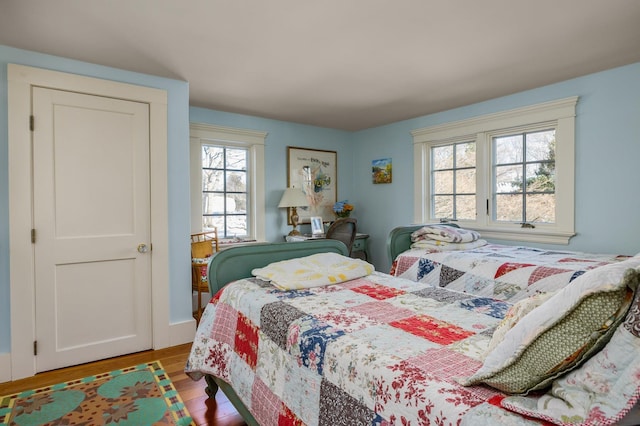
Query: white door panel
[91,211]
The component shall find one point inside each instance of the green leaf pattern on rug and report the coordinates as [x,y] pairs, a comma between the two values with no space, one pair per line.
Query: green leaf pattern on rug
[39,409]
[134,384]
[138,395]
[144,411]
[138,413]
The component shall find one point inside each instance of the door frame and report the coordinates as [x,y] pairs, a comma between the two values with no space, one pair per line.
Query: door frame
[20,80]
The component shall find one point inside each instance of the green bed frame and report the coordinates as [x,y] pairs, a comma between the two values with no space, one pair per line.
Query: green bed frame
[235,263]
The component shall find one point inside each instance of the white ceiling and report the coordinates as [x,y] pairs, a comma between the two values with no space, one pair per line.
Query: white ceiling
[344,64]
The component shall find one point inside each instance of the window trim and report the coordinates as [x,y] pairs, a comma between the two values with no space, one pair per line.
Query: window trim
[560,114]
[254,141]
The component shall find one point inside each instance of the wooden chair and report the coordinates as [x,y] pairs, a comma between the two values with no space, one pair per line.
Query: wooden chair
[203,246]
[343,229]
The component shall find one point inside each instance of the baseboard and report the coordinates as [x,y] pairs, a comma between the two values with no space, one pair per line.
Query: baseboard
[5,367]
[182,332]
[179,333]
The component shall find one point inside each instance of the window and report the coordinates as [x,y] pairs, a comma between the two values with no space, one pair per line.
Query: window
[524,177]
[227,181]
[224,190]
[453,174]
[508,175]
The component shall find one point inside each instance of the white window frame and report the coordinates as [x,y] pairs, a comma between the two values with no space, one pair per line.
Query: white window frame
[558,114]
[254,142]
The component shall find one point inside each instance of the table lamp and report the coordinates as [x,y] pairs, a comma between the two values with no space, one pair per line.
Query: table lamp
[293,198]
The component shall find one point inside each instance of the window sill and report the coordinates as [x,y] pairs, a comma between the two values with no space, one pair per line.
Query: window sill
[225,244]
[526,235]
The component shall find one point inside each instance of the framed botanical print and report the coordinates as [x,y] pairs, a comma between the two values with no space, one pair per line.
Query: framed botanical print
[316,173]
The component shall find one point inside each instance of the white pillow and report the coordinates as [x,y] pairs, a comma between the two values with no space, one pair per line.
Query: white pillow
[514,315]
[437,245]
[313,271]
[602,391]
[537,349]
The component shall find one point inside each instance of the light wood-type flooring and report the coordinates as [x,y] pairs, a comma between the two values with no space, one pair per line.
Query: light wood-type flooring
[218,412]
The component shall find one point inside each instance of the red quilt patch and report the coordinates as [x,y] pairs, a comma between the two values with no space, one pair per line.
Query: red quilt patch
[246,341]
[543,272]
[377,291]
[402,264]
[287,418]
[432,329]
[505,268]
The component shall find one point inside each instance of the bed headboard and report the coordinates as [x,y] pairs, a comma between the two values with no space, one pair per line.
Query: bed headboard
[237,262]
[399,239]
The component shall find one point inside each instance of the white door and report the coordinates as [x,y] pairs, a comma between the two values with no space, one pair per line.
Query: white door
[92,227]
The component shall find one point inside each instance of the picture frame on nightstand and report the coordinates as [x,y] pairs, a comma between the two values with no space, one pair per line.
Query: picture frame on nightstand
[317,227]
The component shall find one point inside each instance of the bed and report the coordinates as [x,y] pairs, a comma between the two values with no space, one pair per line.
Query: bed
[383,350]
[504,272]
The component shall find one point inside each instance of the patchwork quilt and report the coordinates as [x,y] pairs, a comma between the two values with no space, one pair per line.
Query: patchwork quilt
[376,350]
[509,273]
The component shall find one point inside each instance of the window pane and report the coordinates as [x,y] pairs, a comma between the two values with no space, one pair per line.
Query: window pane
[466,155]
[443,182]
[442,157]
[508,179]
[236,226]
[212,156]
[236,203]
[236,181]
[541,177]
[541,208]
[466,207]
[466,181]
[509,208]
[212,203]
[210,222]
[224,185]
[508,149]
[236,159]
[212,180]
[442,206]
[541,146]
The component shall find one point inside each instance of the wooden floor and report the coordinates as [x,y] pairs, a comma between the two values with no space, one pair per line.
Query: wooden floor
[204,411]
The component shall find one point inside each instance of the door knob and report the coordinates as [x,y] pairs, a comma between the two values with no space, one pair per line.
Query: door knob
[142,248]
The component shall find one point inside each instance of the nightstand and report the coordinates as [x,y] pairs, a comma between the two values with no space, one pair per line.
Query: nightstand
[359,250]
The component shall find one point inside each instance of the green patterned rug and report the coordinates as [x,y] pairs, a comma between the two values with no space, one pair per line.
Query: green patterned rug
[138,395]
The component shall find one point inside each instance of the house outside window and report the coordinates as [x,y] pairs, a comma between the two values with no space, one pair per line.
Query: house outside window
[227,182]
[509,175]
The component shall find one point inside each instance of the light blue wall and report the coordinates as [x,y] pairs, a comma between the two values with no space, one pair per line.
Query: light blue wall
[607,174]
[607,162]
[280,135]
[178,164]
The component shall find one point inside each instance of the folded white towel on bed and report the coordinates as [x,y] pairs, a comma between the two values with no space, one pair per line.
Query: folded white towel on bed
[313,271]
[446,233]
[436,245]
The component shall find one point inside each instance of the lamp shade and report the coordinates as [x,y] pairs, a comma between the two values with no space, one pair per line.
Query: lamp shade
[293,197]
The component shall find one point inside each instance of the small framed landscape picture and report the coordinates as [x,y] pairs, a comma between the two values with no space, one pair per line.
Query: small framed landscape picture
[317,227]
[381,170]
